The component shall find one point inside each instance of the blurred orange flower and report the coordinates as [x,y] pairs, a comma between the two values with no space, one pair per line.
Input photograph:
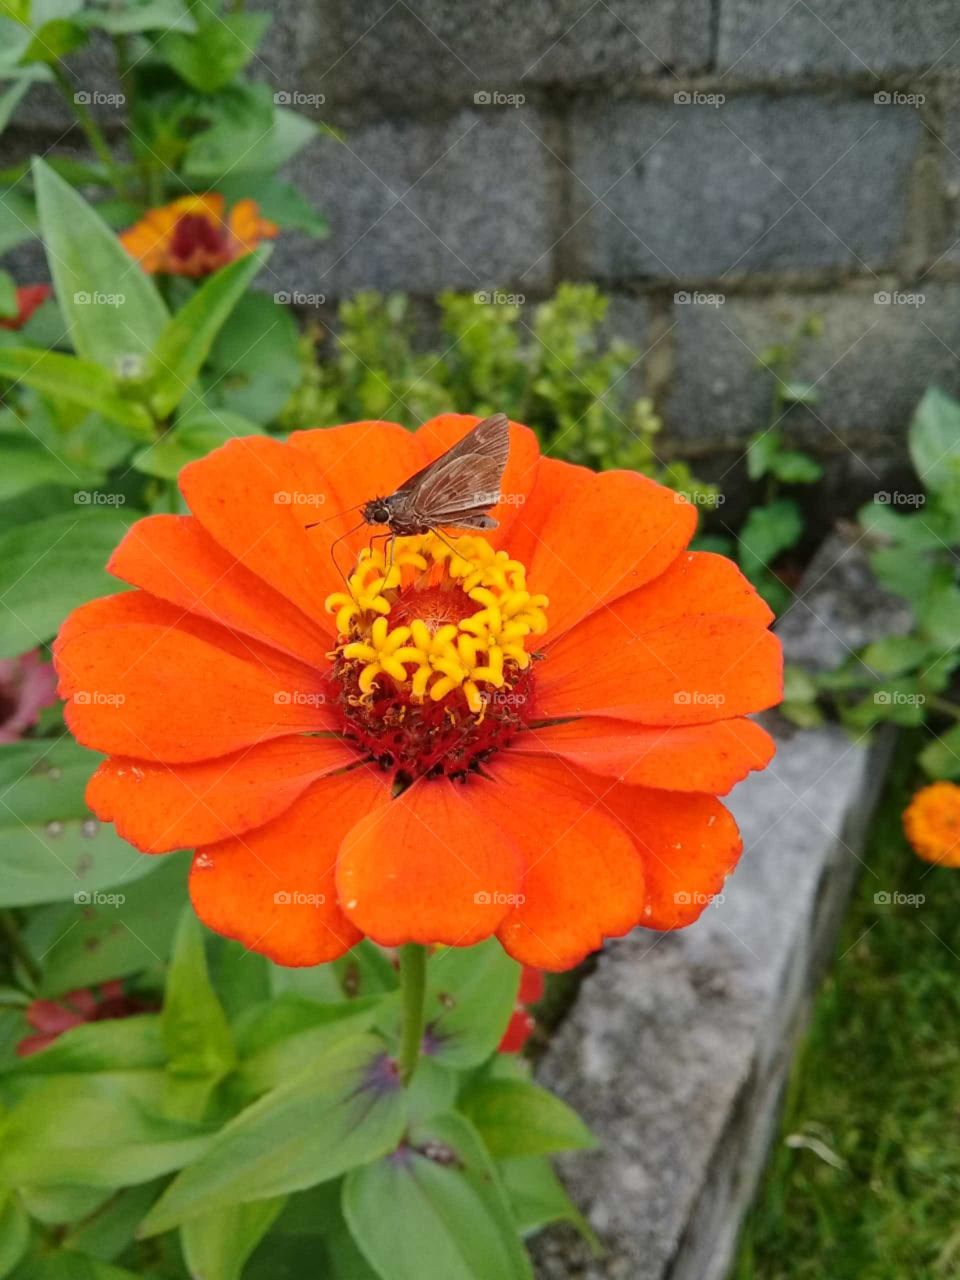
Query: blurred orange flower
[522,734]
[190,237]
[522,1023]
[932,823]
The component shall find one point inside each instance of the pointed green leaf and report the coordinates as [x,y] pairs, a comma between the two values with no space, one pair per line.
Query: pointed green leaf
[85,1130]
[14,1232]
[195,1029]
[471,993]
[75,381]
[185,343]
[112,308]
[217,1245]
[435,1209]
[934,440]
[343,1109]
[516,1118]
[538,1197]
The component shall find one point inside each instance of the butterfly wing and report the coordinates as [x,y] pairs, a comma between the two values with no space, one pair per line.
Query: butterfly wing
[465,481]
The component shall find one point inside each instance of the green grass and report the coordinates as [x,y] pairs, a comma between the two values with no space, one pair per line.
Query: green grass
[878,1085]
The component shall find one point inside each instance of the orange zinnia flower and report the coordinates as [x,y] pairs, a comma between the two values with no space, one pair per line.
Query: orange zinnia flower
[524,738]
[191,238]
[932,823]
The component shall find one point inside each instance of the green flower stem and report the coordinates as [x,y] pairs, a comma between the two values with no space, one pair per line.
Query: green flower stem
[413,990]
[92,130]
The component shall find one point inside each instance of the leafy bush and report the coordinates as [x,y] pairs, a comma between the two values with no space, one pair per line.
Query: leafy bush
[913,539]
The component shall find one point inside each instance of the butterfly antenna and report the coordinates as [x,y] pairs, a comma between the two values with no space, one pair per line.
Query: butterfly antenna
[327,519]
[340,539]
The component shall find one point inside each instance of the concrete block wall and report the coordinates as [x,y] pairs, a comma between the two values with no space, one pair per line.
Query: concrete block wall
[792,157]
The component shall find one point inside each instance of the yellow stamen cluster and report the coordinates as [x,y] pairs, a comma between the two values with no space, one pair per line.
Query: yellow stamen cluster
[433,655]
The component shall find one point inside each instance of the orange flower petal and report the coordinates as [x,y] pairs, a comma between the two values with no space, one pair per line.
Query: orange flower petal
[429,867]
[358,461]
[444,431]
[587,539]
[147,681]
[684,673]
[583,880]
[174,558]
[689,845]
[696,583]
[699,757]
[273,889]
[160,807]
[255,497]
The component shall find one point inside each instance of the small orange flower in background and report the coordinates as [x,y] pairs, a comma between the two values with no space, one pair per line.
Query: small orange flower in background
[29,297]
[522,734]
[190,237]
[932,823]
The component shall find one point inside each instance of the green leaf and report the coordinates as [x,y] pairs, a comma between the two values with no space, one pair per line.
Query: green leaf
[934,440]
[766,532]
[515,1118]
[67,1265]
[75,381]
[435,1209]
[218,1245]
[537,1197]
[896,655]
[111,306]
[195,1029]
[110,1230]
[14,1232]
[941,758]
[221,47]
[49,567]
[8,296]
[52,41]
[343,1109]
[794,392]
[138,15]
[85,944]
[793,467]
[255,362]
[18,219]
[51,847]
[761,451]
[275,1040]
[186,341]
[471,993]
[25,463]
[204,431]
[110,1139]
[115,1044]
[938,618]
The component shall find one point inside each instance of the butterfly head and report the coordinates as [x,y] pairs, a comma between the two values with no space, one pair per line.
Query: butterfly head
[377,511]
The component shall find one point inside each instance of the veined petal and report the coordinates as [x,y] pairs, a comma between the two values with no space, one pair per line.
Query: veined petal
[159,807]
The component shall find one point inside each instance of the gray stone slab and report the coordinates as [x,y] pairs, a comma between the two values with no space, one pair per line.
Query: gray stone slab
[425,51]
[758,183]
[790,37]
[871,365]
[677,1048]
[465,203]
